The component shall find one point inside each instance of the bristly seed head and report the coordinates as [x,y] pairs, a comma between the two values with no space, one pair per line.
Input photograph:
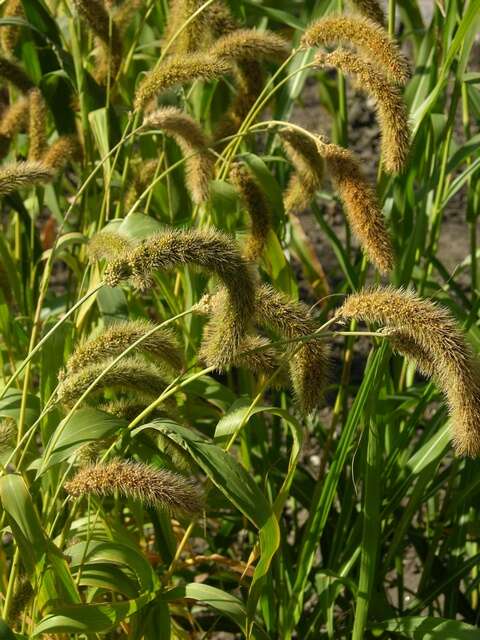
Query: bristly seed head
[192,141]
[108,245]
[391,110]
[372,40]
[62,151]
[178,70]
[37,128]
[111,342]
[155,487]
[429,334]
[12,72]
[20,175]
[361,204]
[370,9]
[250,44]
[257,208]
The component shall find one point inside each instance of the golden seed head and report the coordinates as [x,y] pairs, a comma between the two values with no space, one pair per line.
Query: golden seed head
[220,20]
[9,33]
[156,487]
[192,141]
[370,38]
[389,104]
[62,151]
[430,334]
[309,169]
[126,408]
[257,207]
[250,44]
[143,175]
[37,126]
[194,35]
[360,202]
[178,70]
[108,245]
[129,374]
[14,120]
[111,342]
[20,175]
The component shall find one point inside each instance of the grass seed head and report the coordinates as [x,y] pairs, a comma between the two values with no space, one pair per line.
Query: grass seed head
[309,169]
[192,141]
[111,342]
[370,9]
[424,328]
[14,120]
[143,176]
[9,33]
[8,434]
[178,70]
[220,19]
[129,374]
[250,44]
[360,202]
[21,175]
[108,245]
[37,126]
[257,207]
[309,364]
[370,38]
[154,487]
[389,104]
[62,151]
[13,73]
[194,36]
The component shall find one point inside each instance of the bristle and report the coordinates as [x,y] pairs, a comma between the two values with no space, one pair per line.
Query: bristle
[371,39]
[13,73]
[98,19]
[250,44]
[161,345]
[62,151]
[258,355]
[129,374]
[125,14]
[37,126]
[257,208]
[21,175]
[220,19]
[370,9]
[391,110]
[143,176]
[309,363]
[9,33]
[126,408]
[210,250]
[108,245]
[192,141]
[156,487]
[360,202]
[309,170]
[14,120]
[442,349]
[178,70]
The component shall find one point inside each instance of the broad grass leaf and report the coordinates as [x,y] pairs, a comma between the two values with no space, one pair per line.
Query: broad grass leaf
[85,425]
[10,406]
[136,226]
[427,628]
[104,576]
[90,618]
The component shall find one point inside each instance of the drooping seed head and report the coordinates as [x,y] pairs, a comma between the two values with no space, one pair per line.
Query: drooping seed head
[194,33]
[220,19]
[37,126]
[389,104]
[178,70]
[210,250]
[425,330]
[360,202]
[62,151]
[309,169]
[154,487]
[370,38]
[257,208]
[129,374]
[9,33]
[20,175]
[13,73]
[111,342]
[250,44]
[108,245]
[14,120]
[192,141]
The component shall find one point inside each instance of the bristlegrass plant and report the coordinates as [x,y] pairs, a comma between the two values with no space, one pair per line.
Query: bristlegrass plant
[239,295]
